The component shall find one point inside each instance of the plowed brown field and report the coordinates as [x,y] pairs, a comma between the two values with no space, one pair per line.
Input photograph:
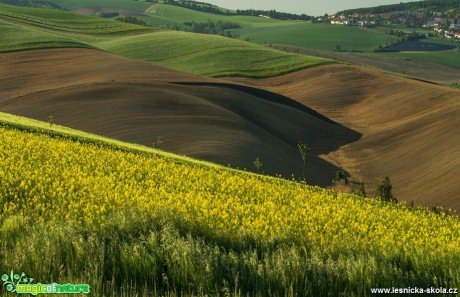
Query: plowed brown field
[196,116]
[411,129]
[371,124]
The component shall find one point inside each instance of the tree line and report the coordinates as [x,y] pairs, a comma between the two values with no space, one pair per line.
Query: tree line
[211,27]
[206,7]
[199,6]
[427,5]
[131,20]
[274,14]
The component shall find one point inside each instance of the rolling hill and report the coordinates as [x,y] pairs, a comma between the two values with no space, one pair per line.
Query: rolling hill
[409,128]
[379,131]
[217,104]
[139,6]
[264,30]
[208,55]
[26,28]
[128,161]
[180,15]
[134,221]
[427,5]
[305,35]
[256,29]
[62,24]
[200,117]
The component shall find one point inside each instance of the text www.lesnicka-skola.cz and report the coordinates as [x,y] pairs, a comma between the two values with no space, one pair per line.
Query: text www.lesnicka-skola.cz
[414,290]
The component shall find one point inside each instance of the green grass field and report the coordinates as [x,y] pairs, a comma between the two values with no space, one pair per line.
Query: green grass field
[257,29]
[18,38]
[181,15]
[212,55]
[161,15]
[208,54]
[263,30]
[134,221]
[449,58]
[319,36]
[130,4]
[63,21]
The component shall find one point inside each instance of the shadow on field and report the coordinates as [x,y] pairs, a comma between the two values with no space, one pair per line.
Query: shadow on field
[286,121]
[204,118]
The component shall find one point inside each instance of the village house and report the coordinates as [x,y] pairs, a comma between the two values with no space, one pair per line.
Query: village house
[449,34]
[455,26]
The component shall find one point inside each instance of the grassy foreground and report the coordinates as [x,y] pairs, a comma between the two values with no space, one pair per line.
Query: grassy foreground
[136,222]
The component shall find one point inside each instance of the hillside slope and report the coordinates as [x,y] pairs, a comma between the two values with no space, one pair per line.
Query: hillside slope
[138,223]
[200,117]
[410,128]
[207,54]
[25,28]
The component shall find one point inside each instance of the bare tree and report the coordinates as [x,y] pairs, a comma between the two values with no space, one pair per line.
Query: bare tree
[303,150]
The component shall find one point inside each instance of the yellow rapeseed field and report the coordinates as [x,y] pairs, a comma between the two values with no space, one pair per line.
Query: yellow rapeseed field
[54,180]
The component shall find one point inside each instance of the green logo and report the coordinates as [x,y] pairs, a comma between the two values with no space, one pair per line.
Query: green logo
[22,284]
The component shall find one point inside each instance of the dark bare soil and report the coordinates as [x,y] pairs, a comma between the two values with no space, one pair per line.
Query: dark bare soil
[199,117]
[410,129]
[369,123]
[417,46]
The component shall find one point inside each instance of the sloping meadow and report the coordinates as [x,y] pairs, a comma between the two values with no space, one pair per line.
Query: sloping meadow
[132,222]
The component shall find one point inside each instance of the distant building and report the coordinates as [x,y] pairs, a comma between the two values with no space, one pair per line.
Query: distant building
[349,23]
[440,20]
[455,26]
[366,23]
[449,34]
[429,24]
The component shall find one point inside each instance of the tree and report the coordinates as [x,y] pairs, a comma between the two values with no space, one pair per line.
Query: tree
[361,190]
[383,190]
[158,142]
[50,121]
[341,175]
[258,164]
[303,150]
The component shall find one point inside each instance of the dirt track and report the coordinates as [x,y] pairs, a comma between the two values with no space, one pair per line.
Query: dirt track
[408,130]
